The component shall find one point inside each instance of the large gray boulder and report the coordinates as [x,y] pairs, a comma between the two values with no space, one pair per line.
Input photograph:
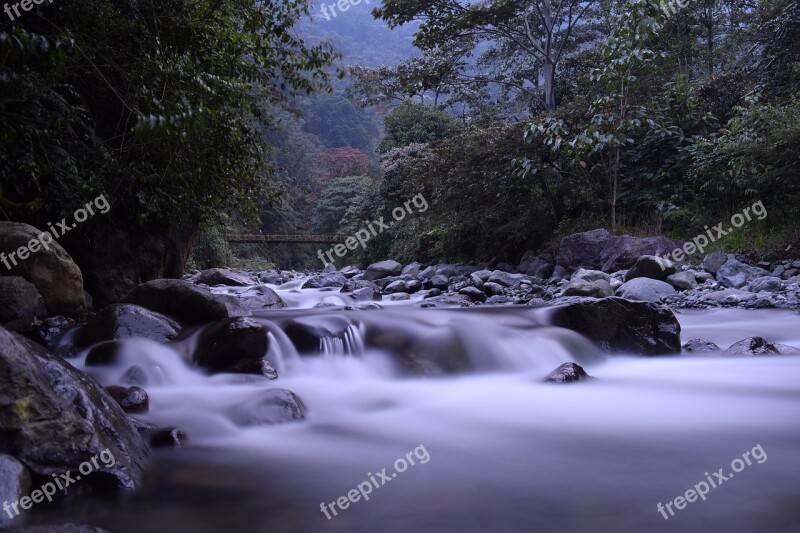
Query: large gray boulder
[581,287]
[383,269]
[19,300]
[185,301]
[644,290]
[682,281]
[622,252]
[735,274]
[55,275]
[714,261]
[582,249]
[54,417]
[229,342]
[124,321]
[622,326]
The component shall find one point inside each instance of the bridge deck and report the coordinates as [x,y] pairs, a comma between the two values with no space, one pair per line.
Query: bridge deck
[284,238]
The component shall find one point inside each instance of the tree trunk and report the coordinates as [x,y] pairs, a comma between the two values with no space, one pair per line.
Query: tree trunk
[549,85]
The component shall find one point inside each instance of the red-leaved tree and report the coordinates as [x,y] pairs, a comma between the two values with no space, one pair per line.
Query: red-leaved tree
[342,162]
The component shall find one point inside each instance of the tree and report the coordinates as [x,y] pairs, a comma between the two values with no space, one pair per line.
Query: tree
[411,123]
[540,30]
[341,162]
[626,56]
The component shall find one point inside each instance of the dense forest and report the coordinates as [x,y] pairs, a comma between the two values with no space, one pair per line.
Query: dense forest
[518,121]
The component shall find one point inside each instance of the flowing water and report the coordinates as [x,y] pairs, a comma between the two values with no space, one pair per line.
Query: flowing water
[494,450]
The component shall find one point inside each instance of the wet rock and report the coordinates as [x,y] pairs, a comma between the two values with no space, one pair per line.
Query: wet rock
[644,290]
[622,252]
[325,280]
[275,406]
[134,375]
[714,261]
[567,373]
[259,298]
[364,294]
[104,354]
[411,269]
[700,346]
[760,346]
[124,321]
[383,269]
[619,325]
[51,270]
[184,301]
[492,289]
[473,293]
[223,276]
[75,418]
[168,438]
[19,300]
[559,273]
[251,366]
[131,399]
[682,281]
[652,267]
[307,334]
[329,268]
[582,249]
[427,273]
[15,482]
[595,289]
[735,274]
[228,342]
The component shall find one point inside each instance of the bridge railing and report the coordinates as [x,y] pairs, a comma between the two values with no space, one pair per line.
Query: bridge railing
[284,238]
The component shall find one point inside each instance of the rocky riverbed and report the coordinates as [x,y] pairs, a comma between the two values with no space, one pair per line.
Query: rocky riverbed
[74,384]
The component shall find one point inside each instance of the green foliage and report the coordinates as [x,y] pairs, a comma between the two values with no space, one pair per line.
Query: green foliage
[353,126]
[336,197]
[411,123]
[159,105]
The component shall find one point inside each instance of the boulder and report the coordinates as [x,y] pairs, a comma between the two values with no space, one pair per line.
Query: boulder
[682,281]
[651,266]
[19,300]
[124,321]
[619,325]
[169,437]
[411,270]
[644,290]
[735,274]
[349,271]
[440,282]
[396,286]
[274,406]
[622,252]
[230,341]
[15,482]
[582,249]
[714,261]
[567,373]
[492,289]
[223,276]
[427,273]
[473,293]
[271,277]
[507,280]
[54,417]
[581,287]
[759,346]
[729,296]
[185,301]
[700,346]
[131,399]
[590,275]
[383,269]
[766,283]
[56,276]
[259,298]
